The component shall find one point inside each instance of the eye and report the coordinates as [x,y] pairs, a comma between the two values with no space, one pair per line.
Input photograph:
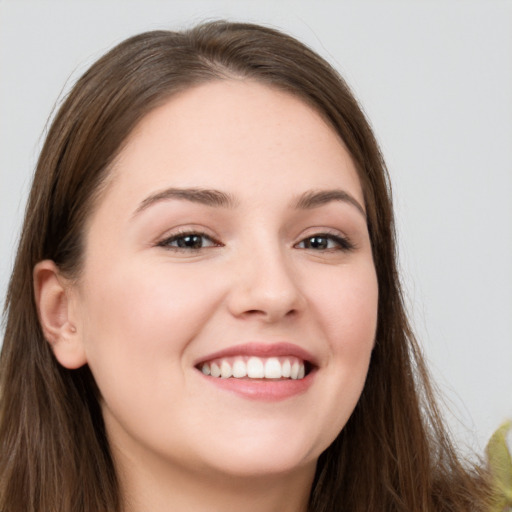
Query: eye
[189,241]
[325,242]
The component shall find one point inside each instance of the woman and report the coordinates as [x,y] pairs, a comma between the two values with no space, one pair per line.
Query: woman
[205,310]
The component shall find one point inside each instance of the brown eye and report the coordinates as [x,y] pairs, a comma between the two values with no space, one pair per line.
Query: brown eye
[316,242]
[188,241]
[325,242]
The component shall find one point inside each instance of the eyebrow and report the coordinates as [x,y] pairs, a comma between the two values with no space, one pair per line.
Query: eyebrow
[208,197]
[316,198]
[216,198]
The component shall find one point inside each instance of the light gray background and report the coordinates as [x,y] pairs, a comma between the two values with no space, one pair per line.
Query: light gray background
[435,78]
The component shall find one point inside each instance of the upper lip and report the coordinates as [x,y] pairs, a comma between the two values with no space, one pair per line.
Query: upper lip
[259,349]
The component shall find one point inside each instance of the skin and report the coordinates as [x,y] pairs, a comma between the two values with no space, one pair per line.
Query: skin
[143,311]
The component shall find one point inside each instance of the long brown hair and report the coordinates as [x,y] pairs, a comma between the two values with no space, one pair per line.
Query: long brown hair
[393,454]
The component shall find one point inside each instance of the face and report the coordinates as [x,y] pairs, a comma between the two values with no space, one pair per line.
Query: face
[228,301]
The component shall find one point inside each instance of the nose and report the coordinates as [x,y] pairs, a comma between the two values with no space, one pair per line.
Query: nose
[266,286]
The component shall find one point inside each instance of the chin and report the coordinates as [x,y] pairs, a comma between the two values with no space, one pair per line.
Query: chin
[263,455]
[260,466]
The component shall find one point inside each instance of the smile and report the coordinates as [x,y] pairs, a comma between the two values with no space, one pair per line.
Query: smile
[260,371]
[239,367]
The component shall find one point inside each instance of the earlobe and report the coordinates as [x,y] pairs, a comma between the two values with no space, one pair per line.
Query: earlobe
[53,297]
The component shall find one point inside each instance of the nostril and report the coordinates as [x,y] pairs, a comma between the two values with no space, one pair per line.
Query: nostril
[271,314]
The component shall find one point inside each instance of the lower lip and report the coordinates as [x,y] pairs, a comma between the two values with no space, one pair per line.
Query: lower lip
[266,390]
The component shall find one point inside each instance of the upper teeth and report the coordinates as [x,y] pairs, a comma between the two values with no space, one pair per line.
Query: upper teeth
[255,367]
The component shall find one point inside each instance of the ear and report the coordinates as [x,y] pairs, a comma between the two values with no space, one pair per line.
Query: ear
[54,297]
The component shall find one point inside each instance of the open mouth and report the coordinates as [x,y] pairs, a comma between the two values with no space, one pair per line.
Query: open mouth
[257,368]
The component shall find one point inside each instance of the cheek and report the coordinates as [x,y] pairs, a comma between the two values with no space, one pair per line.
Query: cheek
[348,309]
[143,299]
[142,316]
[137,323]
[348,315]
[354,331]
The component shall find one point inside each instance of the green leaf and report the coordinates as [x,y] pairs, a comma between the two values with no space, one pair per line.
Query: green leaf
[500,463]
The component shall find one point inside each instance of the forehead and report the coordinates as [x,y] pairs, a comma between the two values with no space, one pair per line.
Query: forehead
[235,134]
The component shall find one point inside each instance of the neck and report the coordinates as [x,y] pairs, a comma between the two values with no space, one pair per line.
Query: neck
[145,488]
[160,487]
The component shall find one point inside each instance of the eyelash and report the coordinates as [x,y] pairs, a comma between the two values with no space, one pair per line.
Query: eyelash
[182,235]
[341,243]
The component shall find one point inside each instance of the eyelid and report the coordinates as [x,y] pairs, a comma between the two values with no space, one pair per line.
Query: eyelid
[164,241]
[343,241]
